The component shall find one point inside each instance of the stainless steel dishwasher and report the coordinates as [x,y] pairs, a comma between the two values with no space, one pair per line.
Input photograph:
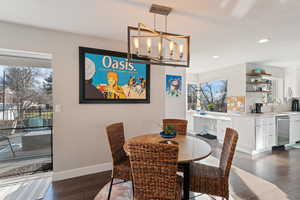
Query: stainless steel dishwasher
[282,130]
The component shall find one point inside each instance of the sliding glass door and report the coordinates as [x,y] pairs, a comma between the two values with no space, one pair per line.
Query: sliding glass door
[26,116]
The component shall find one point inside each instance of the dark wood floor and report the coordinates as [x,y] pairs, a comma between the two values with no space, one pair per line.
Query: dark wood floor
[281,168]
[80,188]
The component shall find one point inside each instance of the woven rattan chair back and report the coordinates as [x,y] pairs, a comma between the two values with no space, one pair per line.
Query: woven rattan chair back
[154,168]
[229,145]
[179,124]
[115,134]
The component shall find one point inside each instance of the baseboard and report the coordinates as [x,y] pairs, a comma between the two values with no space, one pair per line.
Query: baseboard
[57,176]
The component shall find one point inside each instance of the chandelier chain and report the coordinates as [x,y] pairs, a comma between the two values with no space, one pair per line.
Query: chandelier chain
[154,21]
[166,24]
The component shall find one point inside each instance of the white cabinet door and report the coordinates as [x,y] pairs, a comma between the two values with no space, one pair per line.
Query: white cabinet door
[294,129]
[260,138]
[265,133]
[220,134]
[221,128]
[271,135]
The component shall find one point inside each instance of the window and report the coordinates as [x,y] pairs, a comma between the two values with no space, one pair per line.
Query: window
[209,96]
[193,97]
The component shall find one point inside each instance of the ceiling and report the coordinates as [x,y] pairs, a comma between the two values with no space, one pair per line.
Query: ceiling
[226,28]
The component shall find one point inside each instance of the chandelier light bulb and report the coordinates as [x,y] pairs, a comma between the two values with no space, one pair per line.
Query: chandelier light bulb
[160,50]
[159,47]
[181,51]
[149,42]
[171,47]
[149,45]
[136,43]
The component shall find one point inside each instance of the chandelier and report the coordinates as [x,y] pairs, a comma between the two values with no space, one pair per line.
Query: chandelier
[149,46]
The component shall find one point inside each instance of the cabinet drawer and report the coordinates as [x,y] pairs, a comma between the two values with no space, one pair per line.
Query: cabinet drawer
[265,121]
[297,118]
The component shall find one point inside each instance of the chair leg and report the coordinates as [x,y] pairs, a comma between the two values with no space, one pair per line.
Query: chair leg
[110,188]
[213,197]
[11,148]
[196,196]
[132,189]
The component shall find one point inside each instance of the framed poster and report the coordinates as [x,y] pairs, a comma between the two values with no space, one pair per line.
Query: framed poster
[173,85]
[107,77]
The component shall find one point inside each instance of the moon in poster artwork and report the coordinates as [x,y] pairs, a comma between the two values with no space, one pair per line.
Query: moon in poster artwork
[90,69]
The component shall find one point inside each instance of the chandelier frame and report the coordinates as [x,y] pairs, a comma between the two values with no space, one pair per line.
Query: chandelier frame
[160,60]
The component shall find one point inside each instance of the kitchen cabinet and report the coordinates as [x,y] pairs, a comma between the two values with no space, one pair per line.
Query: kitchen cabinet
[271,139]
[221,128]
[257,133]
[260,138]
[294,128]
[265,133]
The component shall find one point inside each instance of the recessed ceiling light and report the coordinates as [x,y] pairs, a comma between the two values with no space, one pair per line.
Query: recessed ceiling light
[263,40]
[216,57]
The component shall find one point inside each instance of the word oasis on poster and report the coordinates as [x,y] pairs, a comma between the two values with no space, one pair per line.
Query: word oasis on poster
[108,77]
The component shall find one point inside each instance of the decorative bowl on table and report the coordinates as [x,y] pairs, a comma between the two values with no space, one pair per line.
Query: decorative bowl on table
[163,134]
[169,131]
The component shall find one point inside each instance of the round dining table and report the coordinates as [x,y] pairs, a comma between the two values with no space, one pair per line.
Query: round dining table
[190,149]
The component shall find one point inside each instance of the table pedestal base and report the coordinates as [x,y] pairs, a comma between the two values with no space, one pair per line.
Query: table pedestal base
[186,180]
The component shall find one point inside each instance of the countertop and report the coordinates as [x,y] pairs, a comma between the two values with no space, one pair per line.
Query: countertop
[227,116]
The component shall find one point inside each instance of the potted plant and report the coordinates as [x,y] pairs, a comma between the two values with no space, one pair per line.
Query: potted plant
[211,107]
[169,131]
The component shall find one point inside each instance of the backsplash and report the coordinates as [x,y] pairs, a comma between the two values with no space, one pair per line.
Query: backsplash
[276,108]
[236,104]
[283,107]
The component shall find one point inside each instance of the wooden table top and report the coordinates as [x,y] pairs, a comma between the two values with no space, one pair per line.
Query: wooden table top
[190,148]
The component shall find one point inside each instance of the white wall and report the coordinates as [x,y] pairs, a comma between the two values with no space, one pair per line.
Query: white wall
[79,136]
[278,72]
[192,78]
[292,82]
[235,75]
[175,107]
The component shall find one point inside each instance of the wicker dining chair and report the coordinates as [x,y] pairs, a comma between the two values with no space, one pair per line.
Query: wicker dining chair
[121,164]
[214,180]
[154,168]
[179,124]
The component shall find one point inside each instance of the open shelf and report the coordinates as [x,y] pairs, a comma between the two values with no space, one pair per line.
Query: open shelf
[259,83]
[258,74]
[259,91]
